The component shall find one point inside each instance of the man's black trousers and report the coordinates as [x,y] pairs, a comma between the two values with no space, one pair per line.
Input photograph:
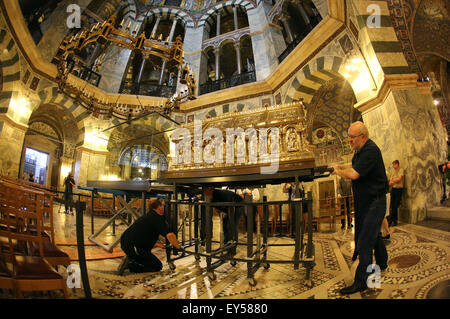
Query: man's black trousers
[142,259]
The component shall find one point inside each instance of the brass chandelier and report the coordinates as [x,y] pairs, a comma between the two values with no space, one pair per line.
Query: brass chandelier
[104,33]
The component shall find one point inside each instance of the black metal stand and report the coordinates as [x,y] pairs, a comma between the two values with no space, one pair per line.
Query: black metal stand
[255,258]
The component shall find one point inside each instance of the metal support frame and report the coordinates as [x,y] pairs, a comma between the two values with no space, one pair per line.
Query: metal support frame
[256,255]
[126,208]
[126,199]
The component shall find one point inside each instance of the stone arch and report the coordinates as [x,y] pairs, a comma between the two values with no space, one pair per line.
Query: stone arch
[129,134]
[51,95]
[225,42]
[52,130]
[333,104]
[130,10]
[127,131]
[48,111]
[163,12]
[207,17]
[313,75]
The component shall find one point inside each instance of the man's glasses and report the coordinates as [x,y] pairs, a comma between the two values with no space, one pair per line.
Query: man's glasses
[355,136]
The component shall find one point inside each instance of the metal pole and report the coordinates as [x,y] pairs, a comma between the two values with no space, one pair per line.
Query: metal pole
[233,224]
[208,238]
[296,212]
[114,208]
[92,211]
[265,223]
[183,223]
[144,198]
[196,221]
[309,245]
[249,213]
[190,224]
[167,214]
[175,210]
[79,208]
[281,220]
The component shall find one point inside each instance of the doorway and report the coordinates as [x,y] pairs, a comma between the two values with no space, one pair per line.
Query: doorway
[36,163]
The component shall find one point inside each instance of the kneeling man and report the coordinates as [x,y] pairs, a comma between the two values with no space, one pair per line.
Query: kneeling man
[138,240]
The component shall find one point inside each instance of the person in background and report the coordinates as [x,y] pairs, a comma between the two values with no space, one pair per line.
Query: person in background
[396,181]
[344,190]
[31,177]
[252,195]
[290,189]
[26,176]
[69,184]
[226,196]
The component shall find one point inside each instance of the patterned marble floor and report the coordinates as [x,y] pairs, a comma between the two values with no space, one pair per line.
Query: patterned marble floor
[419,268]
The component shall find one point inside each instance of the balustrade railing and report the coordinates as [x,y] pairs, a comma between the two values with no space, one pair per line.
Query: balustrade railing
[148,89]
[235,80]
[291,46]
[83,72]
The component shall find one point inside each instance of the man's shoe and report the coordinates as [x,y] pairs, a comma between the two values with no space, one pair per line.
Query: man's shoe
[124,265]
[351,289]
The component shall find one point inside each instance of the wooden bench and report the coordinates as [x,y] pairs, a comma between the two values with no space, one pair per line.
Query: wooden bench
[22,221]
[13,196]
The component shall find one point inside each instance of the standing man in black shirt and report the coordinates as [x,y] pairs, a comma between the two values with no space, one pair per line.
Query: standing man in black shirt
[369,185]
[138,240]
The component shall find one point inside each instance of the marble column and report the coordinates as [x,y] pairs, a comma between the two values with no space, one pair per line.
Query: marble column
[322,7]
[304,14]
[285,20]
[155,27]
[57,28]
[169,38]
[218,24]
[93,56]
[89,165]
[193,55]
[237,47]
[267,43]
[217,56]
[236,26]
[12,137]
[141,70]
[113,68]
[172,30]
